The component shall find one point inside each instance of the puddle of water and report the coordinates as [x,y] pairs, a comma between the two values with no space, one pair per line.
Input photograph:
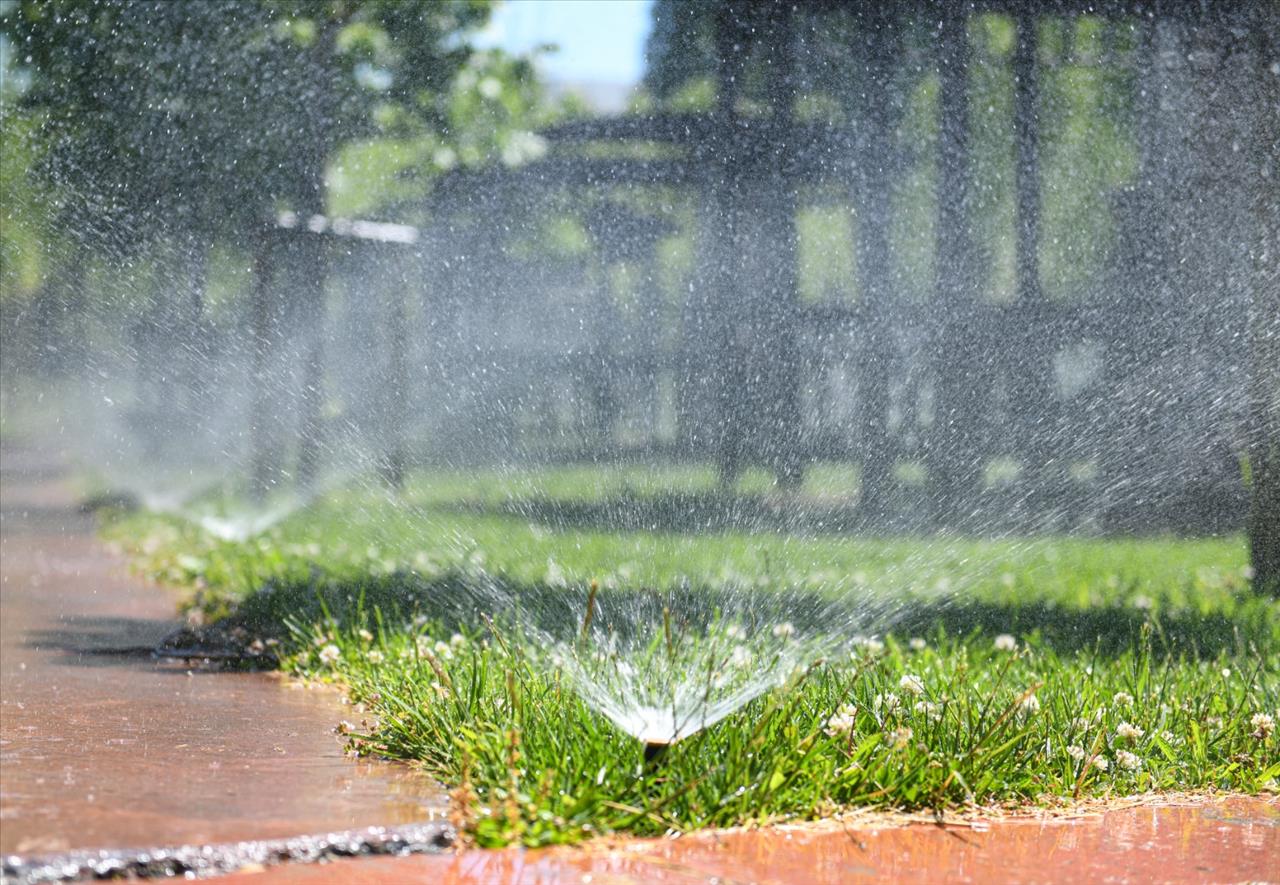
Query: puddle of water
[104,749]
[1165,844]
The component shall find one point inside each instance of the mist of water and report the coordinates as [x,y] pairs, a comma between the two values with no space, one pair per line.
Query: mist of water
[902,277]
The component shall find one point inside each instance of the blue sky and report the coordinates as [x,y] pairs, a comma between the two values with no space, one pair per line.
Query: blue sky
[600,40]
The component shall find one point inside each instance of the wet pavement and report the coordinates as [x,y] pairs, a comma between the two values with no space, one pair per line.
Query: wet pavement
[100,746]
[1233,840]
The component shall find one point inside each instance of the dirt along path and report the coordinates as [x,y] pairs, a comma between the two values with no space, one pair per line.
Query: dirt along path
[103,747]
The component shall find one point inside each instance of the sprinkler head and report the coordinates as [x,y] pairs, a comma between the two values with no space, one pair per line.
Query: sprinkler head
[653,752]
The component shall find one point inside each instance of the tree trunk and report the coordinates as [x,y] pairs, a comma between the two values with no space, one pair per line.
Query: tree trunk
[193,356]
[779,410]
[1264,320]
[309,280]
[956,463]
[311,267]
[1141,278]
[397,392]
[1033,398]
[601,368]
[874,115]
[264,330]
[650,343]
[725,364]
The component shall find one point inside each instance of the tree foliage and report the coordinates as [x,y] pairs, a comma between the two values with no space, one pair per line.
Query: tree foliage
[199,118]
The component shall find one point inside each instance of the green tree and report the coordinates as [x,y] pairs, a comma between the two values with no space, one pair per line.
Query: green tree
[201,117]
[186,123]
[681,46]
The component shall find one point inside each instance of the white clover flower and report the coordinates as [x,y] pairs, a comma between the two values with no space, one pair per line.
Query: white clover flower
[740,657]
[1214,721]
[917,644]
[1122,699]
[443,650]
[1101,763]
[555,575]
[365,635]
[1142,602]
[1028,706]
[928,710]
[1264,724]
[457,640]
[320,639]
[330,654]
[1128,761]
[1226,672]
[1080,723]
[375,657]
[1076,752]
[900,737]
[1129,732]
[911,684]
[735,631]
[1005,642]
[785,630]
[842,722]
[886,703]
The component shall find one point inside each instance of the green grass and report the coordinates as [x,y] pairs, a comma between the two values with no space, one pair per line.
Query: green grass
[531,763]
[446,522]
[1153,647]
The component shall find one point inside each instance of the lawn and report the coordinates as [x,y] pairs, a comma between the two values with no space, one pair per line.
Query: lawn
[500,628]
